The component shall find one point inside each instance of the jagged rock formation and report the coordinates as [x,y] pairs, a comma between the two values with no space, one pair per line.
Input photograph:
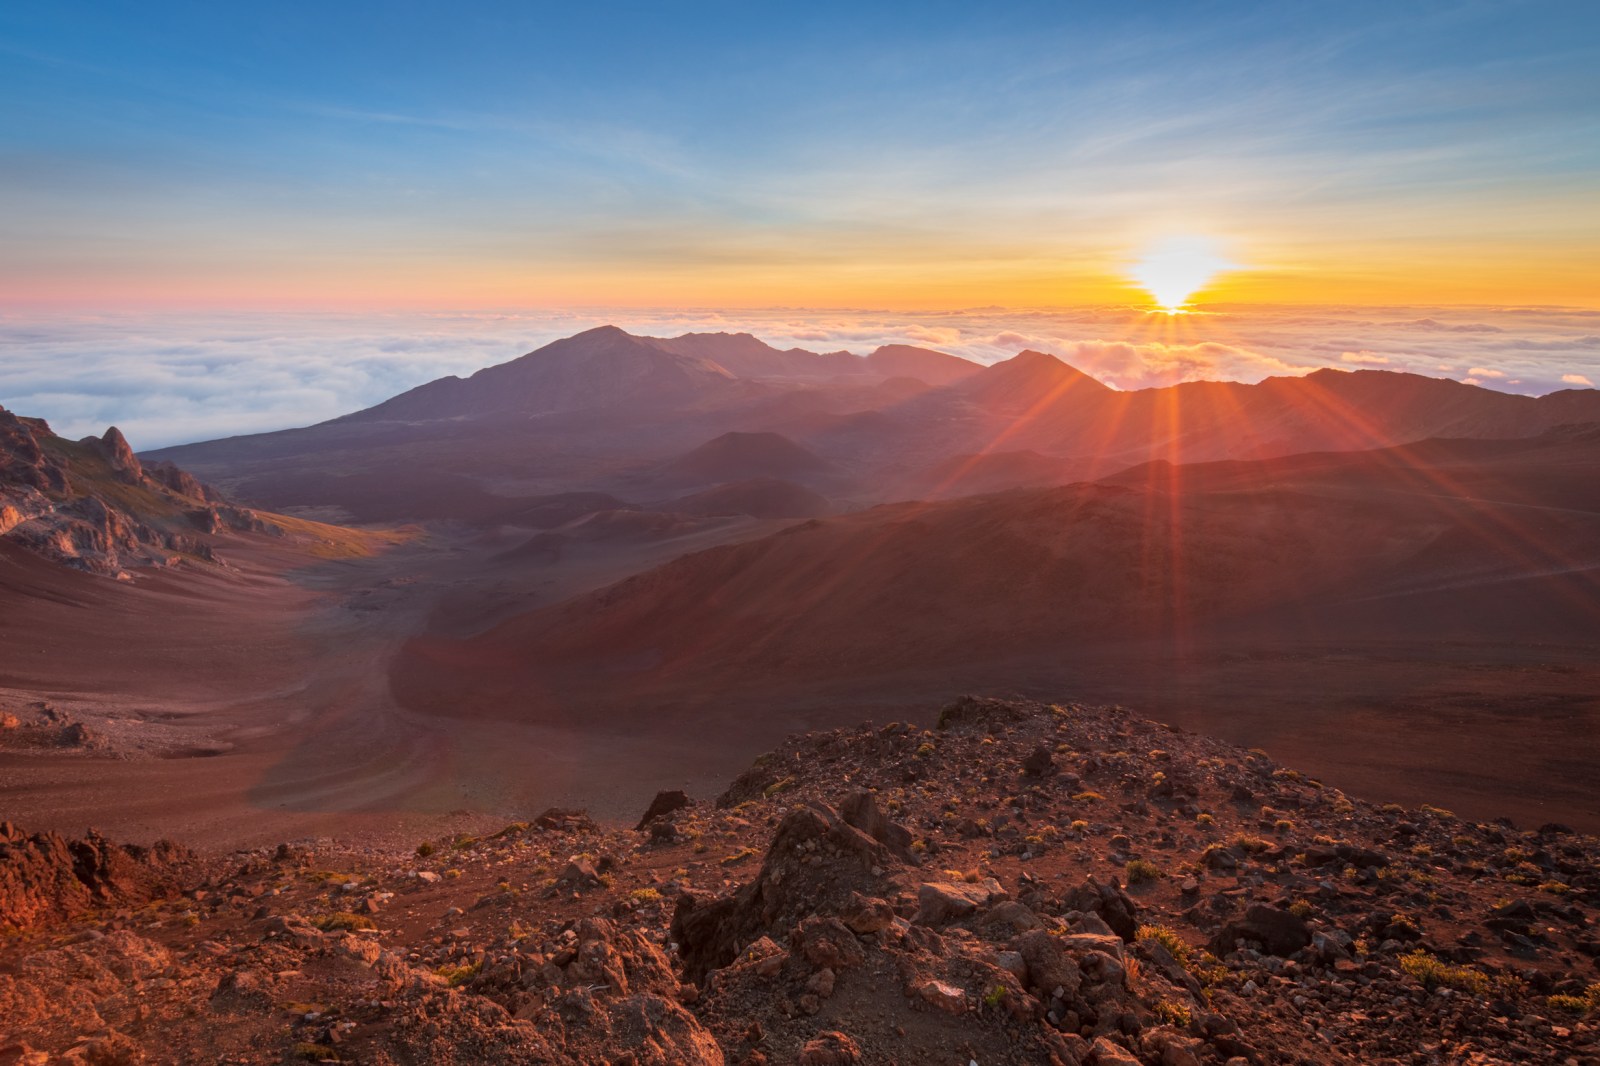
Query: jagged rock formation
[46,878]
[92,505]
[1136,897]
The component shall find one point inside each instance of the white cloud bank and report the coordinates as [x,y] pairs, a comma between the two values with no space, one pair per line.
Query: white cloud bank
[167,379]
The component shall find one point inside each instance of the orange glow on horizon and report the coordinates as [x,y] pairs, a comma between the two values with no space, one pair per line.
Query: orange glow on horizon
[930,279]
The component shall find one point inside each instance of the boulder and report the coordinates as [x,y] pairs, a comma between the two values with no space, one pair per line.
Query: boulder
[830,1048]
[664,804]
[941,902]
[818,863]
[1277,931]
[1040,762]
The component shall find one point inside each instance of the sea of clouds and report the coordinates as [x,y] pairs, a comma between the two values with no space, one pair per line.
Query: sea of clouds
[172,378]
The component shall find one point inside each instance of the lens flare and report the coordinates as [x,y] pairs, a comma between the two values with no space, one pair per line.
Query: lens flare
[1175,268]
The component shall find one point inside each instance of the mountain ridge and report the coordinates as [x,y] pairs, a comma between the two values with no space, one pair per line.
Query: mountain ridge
[596,411]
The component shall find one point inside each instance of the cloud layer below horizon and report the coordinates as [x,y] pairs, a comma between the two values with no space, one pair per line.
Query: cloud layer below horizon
[171,379]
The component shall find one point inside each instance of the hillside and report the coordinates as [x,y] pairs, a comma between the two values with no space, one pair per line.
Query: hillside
[739,456]
[1023,884]
[1407,630]
[1153,554]
[1034,402]
[763,497]
[599,411]
[91,504]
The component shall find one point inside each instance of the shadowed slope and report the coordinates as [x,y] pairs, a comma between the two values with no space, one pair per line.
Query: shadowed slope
[738,456]
[1046,572]
[602,367]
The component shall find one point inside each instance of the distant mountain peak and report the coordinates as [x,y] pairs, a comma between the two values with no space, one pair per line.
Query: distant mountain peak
[924,364]
[1039,366]
[606,330]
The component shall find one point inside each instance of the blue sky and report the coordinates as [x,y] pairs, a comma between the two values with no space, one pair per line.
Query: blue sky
[352,154]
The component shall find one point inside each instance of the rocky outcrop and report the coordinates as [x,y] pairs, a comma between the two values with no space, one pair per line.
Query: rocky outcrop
[45,877]
[800,926]
[118,454]
[181,481]
[92,505]
[820,859]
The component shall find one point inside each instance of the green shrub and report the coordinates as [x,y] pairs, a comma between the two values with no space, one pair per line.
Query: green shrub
[1434,973]
[456,976]
[343,920]
[1173,1013]
[1160,934]
[1141,871]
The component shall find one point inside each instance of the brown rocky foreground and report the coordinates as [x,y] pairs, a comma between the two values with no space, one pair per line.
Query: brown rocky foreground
[1023,884]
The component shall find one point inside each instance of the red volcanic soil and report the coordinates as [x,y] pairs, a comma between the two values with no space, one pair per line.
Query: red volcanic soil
[66,632]
[762,497]
[741,456]
[170,706]
[1422,622]
[246,705]
[908,584]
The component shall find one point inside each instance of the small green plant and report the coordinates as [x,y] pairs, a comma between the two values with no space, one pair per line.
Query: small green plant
[424,849]
[1141,871]
[1434,972]
[1087,797]
[1203,819]
[782,785]
[1405,923]
[1173,1013]
[1175,944]
[645,895]
[1300,909]
[1207,969]
[995,996]
[1588,1003]
[343,921]
[738,856]
[456,976]
[1508,985]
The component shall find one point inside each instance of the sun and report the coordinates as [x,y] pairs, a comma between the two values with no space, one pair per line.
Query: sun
[1173,268]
